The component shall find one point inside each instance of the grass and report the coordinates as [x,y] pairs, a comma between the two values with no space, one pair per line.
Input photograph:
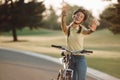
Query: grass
[107,65]
[34,32]
[106,46]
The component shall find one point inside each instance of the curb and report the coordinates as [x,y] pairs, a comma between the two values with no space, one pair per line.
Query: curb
[98,75]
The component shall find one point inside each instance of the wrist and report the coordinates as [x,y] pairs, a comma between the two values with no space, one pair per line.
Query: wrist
[91,30]
[64,13]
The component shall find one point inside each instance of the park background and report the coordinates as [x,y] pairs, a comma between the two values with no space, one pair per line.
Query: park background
[34,26]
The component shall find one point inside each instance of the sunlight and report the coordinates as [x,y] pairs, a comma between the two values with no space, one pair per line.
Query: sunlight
[95,6]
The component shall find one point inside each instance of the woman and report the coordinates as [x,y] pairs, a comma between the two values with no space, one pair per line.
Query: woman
[75,33]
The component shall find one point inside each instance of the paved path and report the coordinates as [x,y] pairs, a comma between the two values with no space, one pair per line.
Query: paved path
[18,66]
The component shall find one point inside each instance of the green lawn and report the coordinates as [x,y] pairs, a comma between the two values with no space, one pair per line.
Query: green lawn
[33,32]
[106,46]
[107,65]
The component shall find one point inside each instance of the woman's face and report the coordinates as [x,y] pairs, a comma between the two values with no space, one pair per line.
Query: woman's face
[78,17]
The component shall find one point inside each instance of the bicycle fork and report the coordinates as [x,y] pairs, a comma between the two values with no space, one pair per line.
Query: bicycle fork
[65,73]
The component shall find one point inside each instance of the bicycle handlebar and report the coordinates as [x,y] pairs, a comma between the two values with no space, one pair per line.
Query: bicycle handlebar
[56,46]
[78,51]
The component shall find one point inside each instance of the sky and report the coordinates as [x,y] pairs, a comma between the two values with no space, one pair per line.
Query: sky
[96,6]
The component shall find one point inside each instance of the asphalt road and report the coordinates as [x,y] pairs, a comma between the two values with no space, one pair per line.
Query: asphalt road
[17,66]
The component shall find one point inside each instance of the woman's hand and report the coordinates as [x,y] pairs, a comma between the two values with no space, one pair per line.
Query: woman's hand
[94,24]
[64,10]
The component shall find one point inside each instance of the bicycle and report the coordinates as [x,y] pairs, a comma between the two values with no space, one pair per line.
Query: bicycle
[66,73]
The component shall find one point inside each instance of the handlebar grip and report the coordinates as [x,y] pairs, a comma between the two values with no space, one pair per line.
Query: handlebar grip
[59,47]
[90,51]
[56,46]
[86,51]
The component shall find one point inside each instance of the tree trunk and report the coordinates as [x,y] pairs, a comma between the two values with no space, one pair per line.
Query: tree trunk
[14,34]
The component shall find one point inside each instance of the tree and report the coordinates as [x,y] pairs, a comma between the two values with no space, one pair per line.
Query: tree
[17,15]
[51,20]
[112,16]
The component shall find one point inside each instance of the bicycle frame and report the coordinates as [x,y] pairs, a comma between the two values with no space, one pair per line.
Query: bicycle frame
[66,73]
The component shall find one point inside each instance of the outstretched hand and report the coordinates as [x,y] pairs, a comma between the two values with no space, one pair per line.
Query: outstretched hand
[64,10]
[94,24]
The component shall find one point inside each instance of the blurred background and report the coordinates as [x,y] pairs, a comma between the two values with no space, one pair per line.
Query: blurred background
[33,25]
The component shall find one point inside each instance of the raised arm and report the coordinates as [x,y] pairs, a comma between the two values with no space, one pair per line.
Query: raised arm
[92,27]
[63,20]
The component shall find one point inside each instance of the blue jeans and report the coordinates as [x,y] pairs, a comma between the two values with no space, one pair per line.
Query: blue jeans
[79,66]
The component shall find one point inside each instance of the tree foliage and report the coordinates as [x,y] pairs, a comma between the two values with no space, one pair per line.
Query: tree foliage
[17,15]
[112,16]
[51,21]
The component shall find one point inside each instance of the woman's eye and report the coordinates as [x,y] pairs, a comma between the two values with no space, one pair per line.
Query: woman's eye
[81,16]
[78,14]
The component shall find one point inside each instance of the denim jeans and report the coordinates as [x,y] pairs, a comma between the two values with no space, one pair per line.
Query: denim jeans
[78,65]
